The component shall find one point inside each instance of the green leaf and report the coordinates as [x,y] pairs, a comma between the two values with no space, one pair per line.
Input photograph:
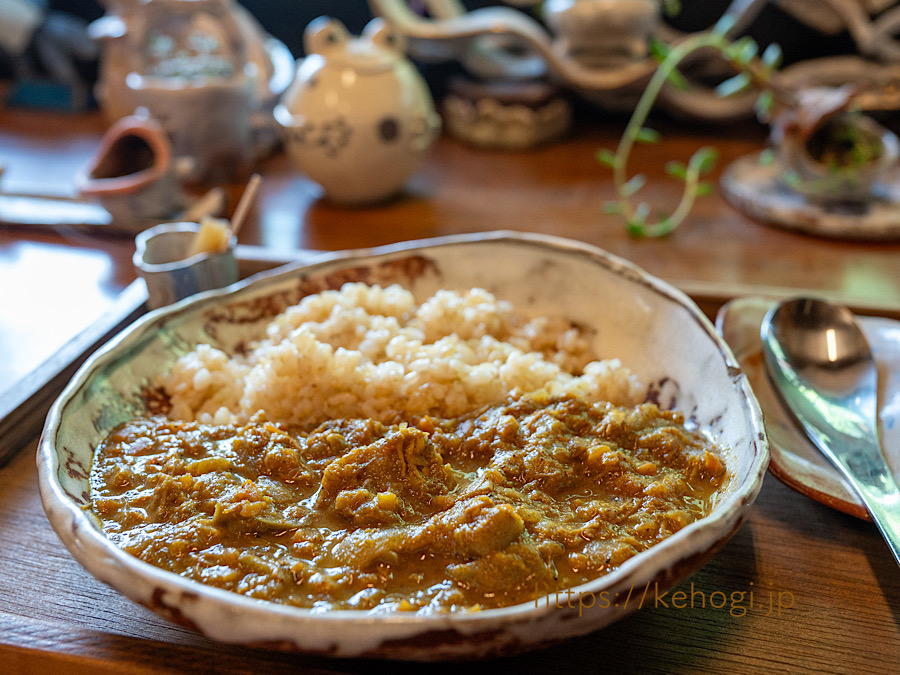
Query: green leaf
[792,178]
[772,56]
[747,52]
[677,80]
[734,51]
[764,103]
[704,188]
[659,50]
[607,157]
[704,160]
[634,229]
[733,85]
[767,157]
[724,24]
[634,184]
[612,208]
[676,169]
[636,224]
[672,7]
[646,135]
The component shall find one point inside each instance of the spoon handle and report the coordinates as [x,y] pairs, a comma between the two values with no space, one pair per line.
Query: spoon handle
[862,463]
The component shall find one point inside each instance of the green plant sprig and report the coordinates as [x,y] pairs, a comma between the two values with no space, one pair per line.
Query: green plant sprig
[753,70]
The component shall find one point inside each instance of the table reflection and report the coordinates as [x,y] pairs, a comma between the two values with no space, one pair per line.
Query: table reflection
[47,287]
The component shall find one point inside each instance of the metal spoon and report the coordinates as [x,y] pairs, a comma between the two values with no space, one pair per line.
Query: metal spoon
[821,364]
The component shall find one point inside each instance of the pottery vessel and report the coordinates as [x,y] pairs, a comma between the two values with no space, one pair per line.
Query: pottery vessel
[828,152]
[602,32]
[134,173]
[204,68]
[358,118]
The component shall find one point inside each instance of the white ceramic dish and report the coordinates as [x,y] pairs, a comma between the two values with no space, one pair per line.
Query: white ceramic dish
[796,461]
[654,329]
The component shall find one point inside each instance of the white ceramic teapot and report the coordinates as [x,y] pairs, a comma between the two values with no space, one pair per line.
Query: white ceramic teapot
[358,118]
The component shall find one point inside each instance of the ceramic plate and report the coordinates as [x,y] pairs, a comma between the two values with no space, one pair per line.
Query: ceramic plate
[653,328]
[795,460]
[754,187]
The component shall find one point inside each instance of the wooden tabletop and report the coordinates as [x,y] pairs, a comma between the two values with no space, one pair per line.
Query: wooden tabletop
[825,590]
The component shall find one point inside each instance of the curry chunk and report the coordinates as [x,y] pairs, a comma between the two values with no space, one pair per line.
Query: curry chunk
[403,467]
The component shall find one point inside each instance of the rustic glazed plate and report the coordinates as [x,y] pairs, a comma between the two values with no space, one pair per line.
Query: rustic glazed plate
[653,328]
[795,460]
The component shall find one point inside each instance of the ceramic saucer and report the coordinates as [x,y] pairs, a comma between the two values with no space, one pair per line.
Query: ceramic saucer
[794,460]
[754,188]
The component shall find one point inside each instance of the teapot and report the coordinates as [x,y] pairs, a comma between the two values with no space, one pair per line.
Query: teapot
[358,117]
[205,69]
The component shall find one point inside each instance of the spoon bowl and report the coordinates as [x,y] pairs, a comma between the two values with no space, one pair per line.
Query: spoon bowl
[822,366]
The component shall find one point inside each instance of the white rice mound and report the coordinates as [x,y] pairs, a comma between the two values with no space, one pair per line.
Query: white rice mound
[368,351]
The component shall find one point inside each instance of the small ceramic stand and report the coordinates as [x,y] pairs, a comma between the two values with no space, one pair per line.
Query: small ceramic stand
[506,115]
[831,172]
[358,118]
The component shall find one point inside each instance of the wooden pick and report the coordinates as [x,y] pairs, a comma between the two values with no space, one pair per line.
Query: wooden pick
[240,213]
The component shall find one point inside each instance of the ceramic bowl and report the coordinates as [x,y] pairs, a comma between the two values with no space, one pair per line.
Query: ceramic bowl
[653,328]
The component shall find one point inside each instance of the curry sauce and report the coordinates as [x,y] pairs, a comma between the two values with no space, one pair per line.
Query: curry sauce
[500,506]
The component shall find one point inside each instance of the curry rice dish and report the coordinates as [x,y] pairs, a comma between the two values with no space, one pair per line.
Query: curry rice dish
[373,453]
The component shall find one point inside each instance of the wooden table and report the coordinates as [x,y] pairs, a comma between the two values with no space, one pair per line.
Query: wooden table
[825,590]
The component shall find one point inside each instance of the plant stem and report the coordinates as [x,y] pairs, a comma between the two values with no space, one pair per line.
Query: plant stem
[755,71]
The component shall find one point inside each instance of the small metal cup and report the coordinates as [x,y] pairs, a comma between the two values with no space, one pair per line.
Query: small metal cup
[163,262]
